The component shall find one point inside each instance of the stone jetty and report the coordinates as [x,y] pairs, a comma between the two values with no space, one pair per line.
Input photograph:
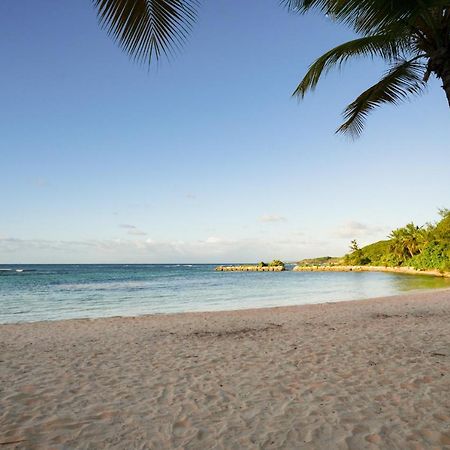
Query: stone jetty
[250,268]
[338,268]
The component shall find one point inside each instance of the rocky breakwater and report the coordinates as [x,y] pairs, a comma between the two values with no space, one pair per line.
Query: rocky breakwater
[337,268]
[250,268]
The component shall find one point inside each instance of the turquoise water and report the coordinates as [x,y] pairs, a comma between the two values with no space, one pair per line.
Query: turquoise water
[48,292]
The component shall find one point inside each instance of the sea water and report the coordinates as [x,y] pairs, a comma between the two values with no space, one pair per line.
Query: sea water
[49,292]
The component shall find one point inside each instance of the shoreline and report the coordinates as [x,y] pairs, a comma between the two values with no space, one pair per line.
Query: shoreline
[235,310]
[400,270]
[350,375]
[333,268]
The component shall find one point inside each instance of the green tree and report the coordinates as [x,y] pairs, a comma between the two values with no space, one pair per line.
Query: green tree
[354,247]
[441,231]
[356,256]
[408,241]
[276,262]
[426,247]
[411,36]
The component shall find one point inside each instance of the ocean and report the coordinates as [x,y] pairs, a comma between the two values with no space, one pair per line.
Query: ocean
[31,293]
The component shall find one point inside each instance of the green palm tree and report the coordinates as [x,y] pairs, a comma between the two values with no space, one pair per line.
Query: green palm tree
[397,245]
[408,241]
[412,36]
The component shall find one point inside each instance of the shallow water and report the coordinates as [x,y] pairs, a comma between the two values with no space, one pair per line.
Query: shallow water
[49,292]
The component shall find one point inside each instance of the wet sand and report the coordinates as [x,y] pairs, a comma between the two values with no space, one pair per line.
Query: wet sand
[370,374]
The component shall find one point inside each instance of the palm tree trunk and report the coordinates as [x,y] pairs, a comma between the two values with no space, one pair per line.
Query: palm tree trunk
[446,80]
[439,63]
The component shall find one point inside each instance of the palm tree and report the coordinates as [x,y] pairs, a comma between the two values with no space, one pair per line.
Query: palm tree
[408,241]
[412,36]
[397,246]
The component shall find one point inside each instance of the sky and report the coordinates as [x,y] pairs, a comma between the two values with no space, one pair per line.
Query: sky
[205,157]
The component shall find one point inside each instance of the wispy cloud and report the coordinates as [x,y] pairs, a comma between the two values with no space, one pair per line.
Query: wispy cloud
[210,249]
[353,229]
[272,218]
[133,230]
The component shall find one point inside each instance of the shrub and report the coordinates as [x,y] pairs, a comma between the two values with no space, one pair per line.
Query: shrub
[436,255]
[276,262]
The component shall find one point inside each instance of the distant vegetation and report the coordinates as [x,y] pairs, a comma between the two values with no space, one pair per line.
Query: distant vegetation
[274,263]
[275,266]
[421,247]
[321,261]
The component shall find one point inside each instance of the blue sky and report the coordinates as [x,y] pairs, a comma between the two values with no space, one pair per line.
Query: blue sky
[204,158]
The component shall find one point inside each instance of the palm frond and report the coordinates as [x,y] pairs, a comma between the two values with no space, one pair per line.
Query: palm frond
[403,79]
[384,46]
[370,16]
[147,28]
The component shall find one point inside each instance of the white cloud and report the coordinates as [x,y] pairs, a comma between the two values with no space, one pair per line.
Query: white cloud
[353,229]
[272,218]
[211,249]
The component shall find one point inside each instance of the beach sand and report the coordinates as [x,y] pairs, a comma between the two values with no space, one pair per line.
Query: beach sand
[358,375]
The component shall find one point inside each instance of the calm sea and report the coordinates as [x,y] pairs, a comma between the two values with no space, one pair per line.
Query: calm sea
[48,292]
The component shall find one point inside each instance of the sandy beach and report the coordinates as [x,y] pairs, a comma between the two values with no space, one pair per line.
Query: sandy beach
[371,374]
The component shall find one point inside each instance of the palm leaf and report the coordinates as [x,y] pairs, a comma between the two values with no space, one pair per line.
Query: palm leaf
[378,45]
[403,79]
[370,16]
[147,28]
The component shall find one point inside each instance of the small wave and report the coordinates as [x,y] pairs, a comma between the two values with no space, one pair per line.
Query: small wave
[96,286]
[14,271]
[11,272]
[188,265]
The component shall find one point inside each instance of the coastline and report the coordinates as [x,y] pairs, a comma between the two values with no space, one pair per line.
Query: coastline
[359,374]
[333,268]
[268,309]
[249,268]
[401,270]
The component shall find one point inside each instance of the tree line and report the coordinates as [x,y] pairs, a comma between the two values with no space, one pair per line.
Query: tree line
[420,247]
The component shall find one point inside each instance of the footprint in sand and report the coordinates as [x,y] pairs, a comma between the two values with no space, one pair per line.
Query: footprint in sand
[180,427]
